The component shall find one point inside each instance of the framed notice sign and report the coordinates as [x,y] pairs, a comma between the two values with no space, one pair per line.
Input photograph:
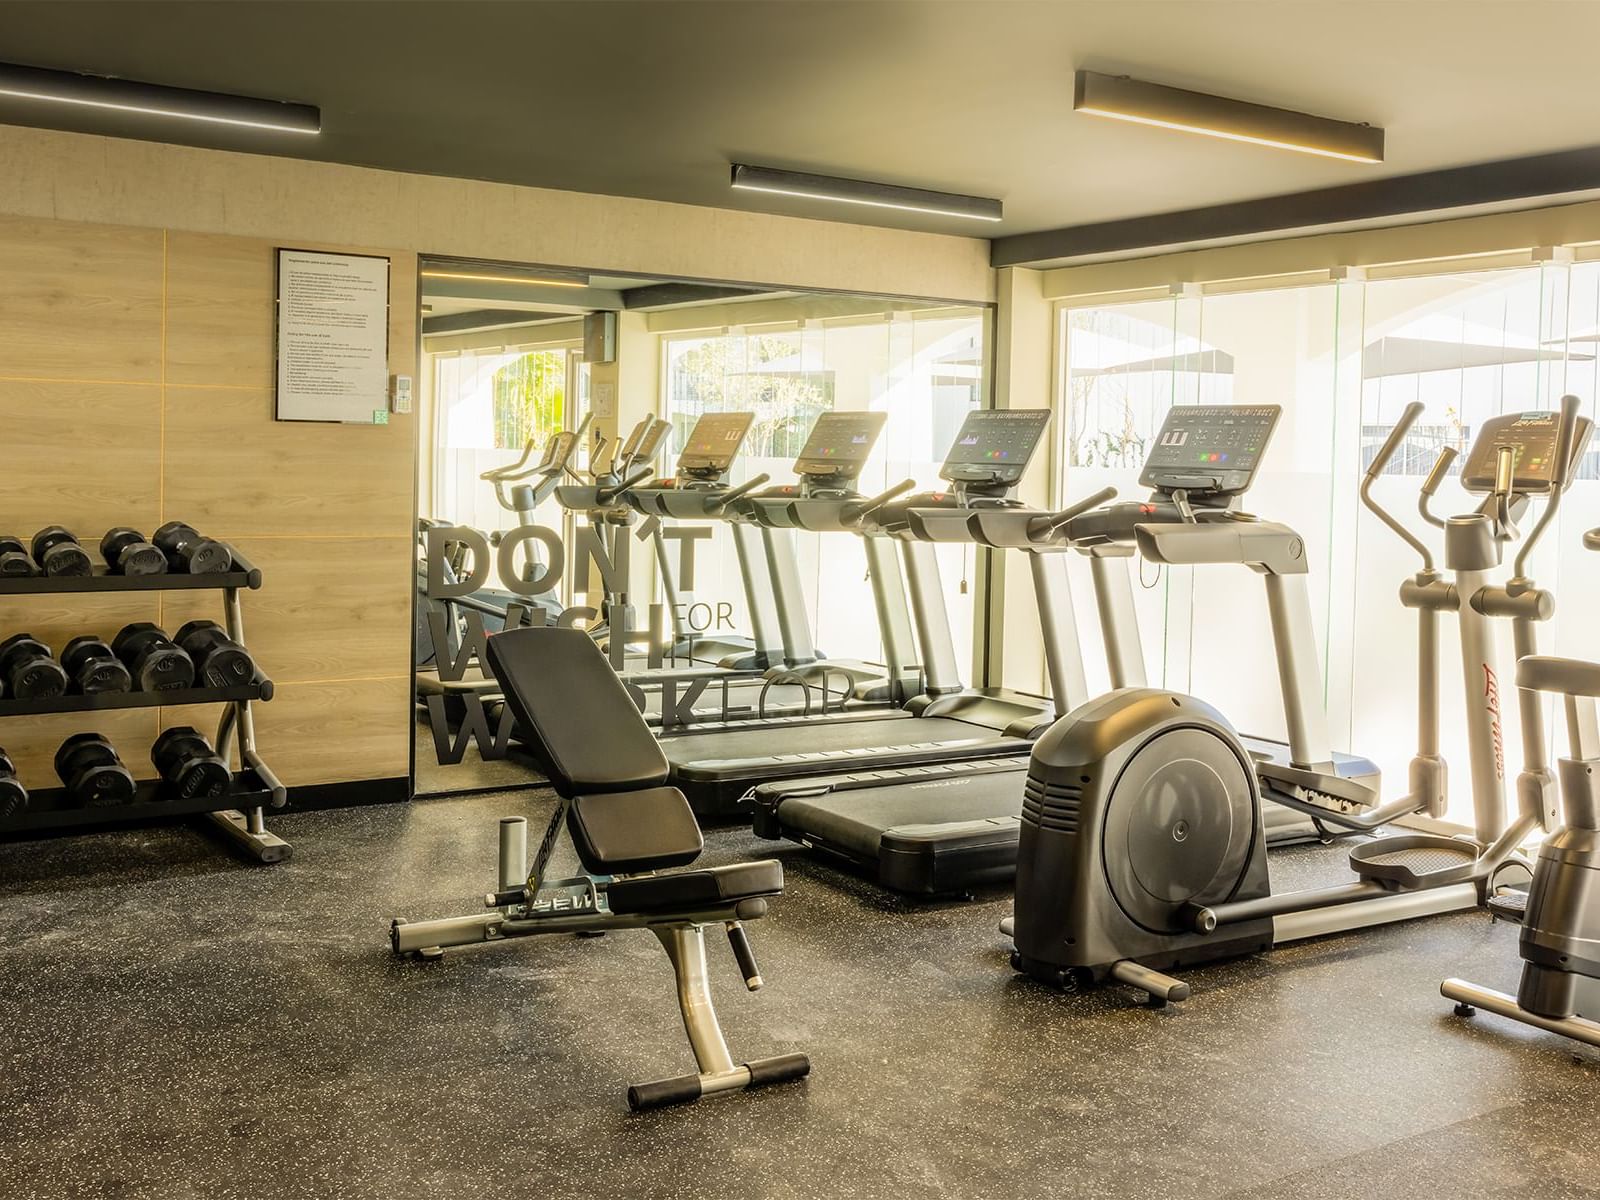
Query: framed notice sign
[333,337]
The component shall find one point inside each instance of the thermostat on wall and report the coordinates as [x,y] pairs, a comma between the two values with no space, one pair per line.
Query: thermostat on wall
[400,394]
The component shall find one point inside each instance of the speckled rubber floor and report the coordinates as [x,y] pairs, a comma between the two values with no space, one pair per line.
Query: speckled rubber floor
[175,1024]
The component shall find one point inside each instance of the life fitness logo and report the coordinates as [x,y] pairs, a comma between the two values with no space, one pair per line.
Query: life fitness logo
[1491,702]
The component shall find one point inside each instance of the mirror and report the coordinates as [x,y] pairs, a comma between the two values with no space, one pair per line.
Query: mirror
[542,390]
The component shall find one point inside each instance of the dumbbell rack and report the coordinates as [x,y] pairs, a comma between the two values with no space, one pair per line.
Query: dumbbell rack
[239,815]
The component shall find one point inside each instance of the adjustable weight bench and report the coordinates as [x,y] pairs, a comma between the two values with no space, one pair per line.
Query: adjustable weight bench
[628,828]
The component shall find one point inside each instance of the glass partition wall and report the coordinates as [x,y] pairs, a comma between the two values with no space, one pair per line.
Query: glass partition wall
[1344,359]
[505,366]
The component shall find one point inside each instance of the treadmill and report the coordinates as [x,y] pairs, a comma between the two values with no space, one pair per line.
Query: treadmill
[607,502]
[825,498]
[922,831]
[828,465]
[718,769]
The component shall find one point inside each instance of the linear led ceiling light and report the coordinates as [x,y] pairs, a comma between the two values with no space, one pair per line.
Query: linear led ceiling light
[1126,99]
[492,272]
[861,191]
[156,100]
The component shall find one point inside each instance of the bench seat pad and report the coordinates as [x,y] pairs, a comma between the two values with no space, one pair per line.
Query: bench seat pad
[692,891]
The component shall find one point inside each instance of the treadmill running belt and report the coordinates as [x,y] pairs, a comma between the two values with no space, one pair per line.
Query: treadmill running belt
[857,822]
[732,745]
[716,771]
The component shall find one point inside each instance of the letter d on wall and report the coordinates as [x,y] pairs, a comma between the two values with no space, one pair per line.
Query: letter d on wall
[478,577]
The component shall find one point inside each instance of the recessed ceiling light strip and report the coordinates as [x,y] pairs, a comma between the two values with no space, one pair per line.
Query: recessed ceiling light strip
[777,182]
[156,100]
[1123,98]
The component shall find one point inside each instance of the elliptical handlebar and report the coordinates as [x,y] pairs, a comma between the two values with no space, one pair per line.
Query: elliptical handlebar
[1561,477]
[732,494]
[1430,486]
[1045,526]
[500,476]
[1397,435]
[509,472]
[1386,452]
[854,514]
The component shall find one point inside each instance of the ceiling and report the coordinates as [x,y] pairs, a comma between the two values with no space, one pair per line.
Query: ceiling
[655,98]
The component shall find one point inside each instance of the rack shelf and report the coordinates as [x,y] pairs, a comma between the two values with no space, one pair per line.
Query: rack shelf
[103,581]
[55,808]
[261,689]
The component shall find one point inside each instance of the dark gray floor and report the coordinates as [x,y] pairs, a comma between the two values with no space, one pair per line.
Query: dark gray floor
[175,1024]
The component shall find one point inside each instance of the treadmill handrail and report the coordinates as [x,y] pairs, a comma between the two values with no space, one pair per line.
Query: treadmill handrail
[732,494]
[855,514]
[606,495]
[1044,527]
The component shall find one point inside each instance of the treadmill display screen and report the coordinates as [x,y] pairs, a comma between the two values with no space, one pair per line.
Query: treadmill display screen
[651,442]
[714,441]
[1210,448]
[557,450]
[635,436]
[995,444]
[1532,437]
[839,443]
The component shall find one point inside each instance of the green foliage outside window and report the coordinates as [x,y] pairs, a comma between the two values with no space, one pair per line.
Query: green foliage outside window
[530,397]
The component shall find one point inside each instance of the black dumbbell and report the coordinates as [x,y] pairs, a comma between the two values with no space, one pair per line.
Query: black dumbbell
[156,663]
[28,671]
[14,559]
[127,553]
[187,551]
[219,661]
[57,552]
[186,761]
[95,777]
[13,796]
[94,667]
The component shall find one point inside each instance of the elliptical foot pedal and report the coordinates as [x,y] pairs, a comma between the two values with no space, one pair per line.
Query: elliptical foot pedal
[1415,861]
[1511,905]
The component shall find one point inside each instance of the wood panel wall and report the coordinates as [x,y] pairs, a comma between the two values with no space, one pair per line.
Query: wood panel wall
[136,376]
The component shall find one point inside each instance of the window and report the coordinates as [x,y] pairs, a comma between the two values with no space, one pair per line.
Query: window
[487,406]
[529,399]
[1344,360]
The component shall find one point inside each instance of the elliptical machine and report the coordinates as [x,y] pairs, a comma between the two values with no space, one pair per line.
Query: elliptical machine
[1560,939]
[1142,845]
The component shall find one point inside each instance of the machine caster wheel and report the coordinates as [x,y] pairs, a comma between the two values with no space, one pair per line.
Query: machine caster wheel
[1016,962]
[1464,1010]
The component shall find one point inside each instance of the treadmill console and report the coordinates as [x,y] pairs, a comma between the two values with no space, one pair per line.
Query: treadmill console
[994,446]
[1532,437]
[635,436]
[714,443]
[557,449]
[1210,448]
[651,442]
[839,445]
